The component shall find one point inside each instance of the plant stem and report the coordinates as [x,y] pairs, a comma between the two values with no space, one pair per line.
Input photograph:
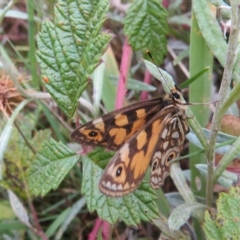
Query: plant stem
[226,79]
[147,79]
[124,70]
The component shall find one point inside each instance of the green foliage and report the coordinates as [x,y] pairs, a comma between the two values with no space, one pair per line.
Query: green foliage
[181,214]
[52,164]
[137,85]
[18,156]
[132,208]
[224,222]
[69,49]
[100,157]
[146,27]
[6,211]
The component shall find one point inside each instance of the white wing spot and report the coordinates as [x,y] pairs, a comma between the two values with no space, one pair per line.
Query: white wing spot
[123,148]
[175,135]
[164,133]
[157,155]
[119,187]
[108,185]
[165,145]
[114,187]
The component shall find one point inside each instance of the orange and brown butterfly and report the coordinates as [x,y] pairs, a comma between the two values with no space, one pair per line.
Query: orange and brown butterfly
[150,132]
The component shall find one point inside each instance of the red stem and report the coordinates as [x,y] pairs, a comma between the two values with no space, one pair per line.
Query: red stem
[165,3]
[106,230]
[124,70]
[94,232]
[147,79]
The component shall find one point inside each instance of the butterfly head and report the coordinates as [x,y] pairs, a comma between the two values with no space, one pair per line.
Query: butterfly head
[175,95]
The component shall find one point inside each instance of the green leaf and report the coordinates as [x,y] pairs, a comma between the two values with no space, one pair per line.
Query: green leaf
[109,90]
[100,157]
[70,49]
[52,164]
[164,77]
[224,223]
[62,221]
[223,141]
[194,78]
[6,211]
[18,155]
[146,27]
[136,85]
[132,208]
[181,214]
[180,20]
[227,179]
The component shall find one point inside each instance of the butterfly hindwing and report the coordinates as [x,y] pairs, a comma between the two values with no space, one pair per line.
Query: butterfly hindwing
[114,129]
[168,148]
[127,168]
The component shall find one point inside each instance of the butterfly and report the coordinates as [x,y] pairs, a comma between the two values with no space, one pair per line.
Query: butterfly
[149,132]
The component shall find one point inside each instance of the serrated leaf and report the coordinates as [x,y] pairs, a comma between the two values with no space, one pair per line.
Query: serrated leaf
[132,208]
[52,164]
[224,223]
[180,214]
[146,27]
[100,157]
[70,49]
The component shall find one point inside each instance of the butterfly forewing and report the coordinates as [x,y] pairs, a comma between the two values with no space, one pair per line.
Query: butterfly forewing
[114,129]
[127,168]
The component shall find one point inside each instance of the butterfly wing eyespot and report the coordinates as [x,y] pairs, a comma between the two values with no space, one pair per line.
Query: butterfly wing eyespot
[170,157]
[93,133]
[119,171]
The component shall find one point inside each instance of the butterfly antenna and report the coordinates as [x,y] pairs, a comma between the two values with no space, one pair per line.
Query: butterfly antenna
[164,79]
[187,103]
[205,103]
